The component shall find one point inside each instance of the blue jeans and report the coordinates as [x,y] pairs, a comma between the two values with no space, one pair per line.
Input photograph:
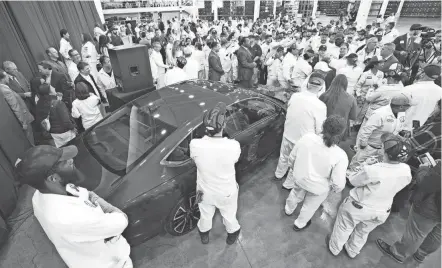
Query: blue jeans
[421,237]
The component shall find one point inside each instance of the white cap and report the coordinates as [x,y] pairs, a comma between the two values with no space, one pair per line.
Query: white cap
[322,66]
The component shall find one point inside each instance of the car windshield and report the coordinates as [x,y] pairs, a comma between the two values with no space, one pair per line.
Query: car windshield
[129,134]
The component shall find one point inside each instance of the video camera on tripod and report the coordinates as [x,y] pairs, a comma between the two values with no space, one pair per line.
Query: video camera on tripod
[427,44]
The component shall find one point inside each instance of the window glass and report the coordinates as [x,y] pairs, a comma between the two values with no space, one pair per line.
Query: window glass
[242,114]
[182,151]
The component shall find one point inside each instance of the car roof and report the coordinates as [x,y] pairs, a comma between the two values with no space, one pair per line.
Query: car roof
[183,102]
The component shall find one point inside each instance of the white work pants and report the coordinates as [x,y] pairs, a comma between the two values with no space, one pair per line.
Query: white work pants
[284,153]
[161,80]
[227,206]
[352,227]
[309,207]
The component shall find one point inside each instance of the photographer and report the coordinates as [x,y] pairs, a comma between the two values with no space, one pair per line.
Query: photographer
[85,229]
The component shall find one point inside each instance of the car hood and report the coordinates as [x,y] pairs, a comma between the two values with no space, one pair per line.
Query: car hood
[90,173]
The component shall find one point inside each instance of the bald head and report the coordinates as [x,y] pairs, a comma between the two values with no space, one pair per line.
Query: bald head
[10,67]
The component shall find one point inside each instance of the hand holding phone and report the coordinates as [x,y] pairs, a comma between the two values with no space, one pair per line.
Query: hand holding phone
[426,160]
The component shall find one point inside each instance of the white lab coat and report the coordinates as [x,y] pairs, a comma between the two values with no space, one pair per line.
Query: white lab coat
[89,54]
[288,63]
[65,46]
[191,68]
[175,75]
[78,229]
[161,67]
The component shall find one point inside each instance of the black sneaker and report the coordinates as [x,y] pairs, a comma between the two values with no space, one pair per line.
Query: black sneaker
[204,237]
[297,229]
[386,248]
[231,238]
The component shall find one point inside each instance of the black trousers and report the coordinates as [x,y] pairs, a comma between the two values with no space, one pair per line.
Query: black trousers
[263,75]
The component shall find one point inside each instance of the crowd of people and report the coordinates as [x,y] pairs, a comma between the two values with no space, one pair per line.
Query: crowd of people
[340,80]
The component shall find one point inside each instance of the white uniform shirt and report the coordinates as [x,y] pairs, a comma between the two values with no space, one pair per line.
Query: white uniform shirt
[224,57]
[390,36]
[72,70]
[104,81]
[96,90]
[352,74]
[381,121]
[274,68]
[88,110]
[65,46]
[377,184]
[158,59]
[288,63]
[97,32]
[78,229]
[215,159]
[424,95]
[381,96]
[191,68]
[305,113]
[175,75]
[301,70]
[317,167]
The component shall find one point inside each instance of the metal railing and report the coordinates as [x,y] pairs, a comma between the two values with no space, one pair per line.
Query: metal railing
[146,4]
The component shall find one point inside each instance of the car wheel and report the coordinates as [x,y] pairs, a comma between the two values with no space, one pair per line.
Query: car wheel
[184,216]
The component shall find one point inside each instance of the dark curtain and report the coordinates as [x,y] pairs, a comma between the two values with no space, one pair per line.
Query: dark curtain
[31,27]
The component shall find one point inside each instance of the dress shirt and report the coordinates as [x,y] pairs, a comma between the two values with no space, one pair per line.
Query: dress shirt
[381,121]
[316,167]
[88,109]
[73,70]
[104,81]
[377,184]
[175,75]
[215,159]
[191,68]
[158,59]
[301,70]
[352,74]
[79,230]
[288,63]
[65,46]
[305,113]
[425,95]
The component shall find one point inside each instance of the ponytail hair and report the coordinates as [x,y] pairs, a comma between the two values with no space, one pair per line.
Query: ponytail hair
[333,129]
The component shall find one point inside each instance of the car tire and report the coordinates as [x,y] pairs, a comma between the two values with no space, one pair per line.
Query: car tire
[184,216]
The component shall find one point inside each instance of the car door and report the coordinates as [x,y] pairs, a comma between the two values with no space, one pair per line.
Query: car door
[247,123]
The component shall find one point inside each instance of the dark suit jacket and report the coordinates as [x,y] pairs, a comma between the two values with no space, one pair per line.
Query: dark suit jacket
[17,105]
[21,86]
[61,84]
[80,79]
[197,40]
[401,43]
[245,64]
[215,67]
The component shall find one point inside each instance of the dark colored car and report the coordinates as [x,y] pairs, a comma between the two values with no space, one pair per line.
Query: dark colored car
[138,156]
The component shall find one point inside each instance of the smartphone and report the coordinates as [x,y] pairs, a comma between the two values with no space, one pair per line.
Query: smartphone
[426,158]
[416,124]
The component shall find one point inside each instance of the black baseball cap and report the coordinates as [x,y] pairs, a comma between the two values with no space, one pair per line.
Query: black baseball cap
[37,163]
[416,26]
[322,48]
[394,147]
[316,78]
[433,71]
[215,118]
